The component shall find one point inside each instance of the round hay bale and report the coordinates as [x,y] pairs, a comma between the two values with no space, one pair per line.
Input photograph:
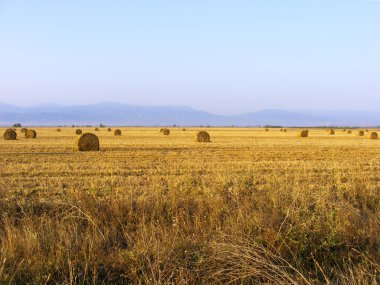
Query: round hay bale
[331,132]
[284,130]
[361,133]
[161,130]
[374,136]
[344,130]
[78,132]
[281,130]
[23,130]
[31,134]
[202,136]
[303,134]
[267,130]
[109,130]
[166,132]
[88,142]
[183,129]
[10,135]
[58,130]
[96,129]
[117,132]
[349,132]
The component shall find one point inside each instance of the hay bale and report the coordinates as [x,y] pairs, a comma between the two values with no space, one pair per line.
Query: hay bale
[267,130]
[344,130]
[284,130]
[10,135]
[331,132]
[161,130]
[202,136]
[58,130]
[117,132]
[183,129]
[88,142]
[109,130]
[281,130]
[31,134]
[303,134]
[166,132]
[78,132]
[23,130]
[374,136]
[349,132]
[361,133]
[96,129]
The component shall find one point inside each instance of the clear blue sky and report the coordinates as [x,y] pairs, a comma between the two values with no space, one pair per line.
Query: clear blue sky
[220,56]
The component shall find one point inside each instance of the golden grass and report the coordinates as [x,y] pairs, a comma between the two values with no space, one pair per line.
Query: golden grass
[250,208]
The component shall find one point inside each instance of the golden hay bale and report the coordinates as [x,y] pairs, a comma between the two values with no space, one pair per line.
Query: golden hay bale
[284,130]
[349,132]
[303,134]
[88,142]
[361,133]
[161,130]
[23,130]
[109,130]
[117,132]
[281,130]
[10,135]
[183,129]
[58,130]
[331,132]
[267,130]
[31,134]
[202,136]
[344,130]
[96,129]
[78,132]
[374,136]
[166,132]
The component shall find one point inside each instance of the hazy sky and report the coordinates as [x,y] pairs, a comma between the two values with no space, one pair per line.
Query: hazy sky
[220,56]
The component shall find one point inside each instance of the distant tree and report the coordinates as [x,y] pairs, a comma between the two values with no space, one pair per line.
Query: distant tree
[174,125]
[101,125]
[18,125]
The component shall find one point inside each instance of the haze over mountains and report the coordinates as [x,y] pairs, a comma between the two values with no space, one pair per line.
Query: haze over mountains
[110,113]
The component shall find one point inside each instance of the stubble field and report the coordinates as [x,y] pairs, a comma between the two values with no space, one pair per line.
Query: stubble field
[251,207]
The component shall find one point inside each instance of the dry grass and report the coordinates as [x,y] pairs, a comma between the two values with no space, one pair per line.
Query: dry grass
[250,208]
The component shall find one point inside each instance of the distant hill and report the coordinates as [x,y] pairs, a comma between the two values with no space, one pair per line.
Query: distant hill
[110,113]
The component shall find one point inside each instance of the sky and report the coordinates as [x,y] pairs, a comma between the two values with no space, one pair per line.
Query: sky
[224,57]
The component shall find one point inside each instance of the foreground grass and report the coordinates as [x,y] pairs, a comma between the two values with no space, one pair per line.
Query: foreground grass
[249,208]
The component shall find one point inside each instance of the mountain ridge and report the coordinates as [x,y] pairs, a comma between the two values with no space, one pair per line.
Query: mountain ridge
[113,113]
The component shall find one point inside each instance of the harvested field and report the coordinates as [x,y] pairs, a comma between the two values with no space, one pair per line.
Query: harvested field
[151,209]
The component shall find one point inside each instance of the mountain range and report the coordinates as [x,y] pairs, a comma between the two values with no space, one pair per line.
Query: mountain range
[110,113]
